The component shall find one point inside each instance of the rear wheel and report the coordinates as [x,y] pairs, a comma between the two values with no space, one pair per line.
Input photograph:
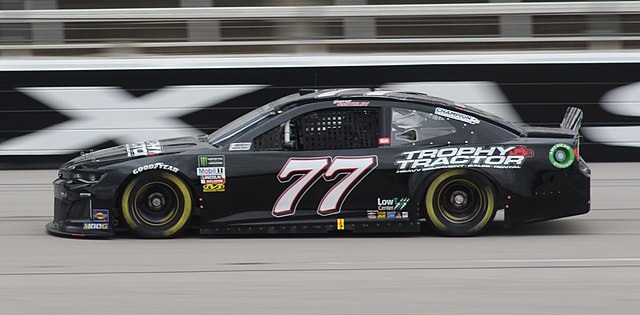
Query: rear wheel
[460,203]
[156,204]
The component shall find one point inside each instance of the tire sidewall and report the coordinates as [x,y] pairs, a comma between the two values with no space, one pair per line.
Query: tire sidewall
[183,205]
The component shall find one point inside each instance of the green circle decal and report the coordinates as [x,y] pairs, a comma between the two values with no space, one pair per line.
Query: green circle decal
[561,155]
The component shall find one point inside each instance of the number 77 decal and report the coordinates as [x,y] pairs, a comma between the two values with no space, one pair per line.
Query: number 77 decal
[309,170]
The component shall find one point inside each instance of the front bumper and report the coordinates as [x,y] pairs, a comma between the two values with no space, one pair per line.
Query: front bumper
[561,194]
[75,212]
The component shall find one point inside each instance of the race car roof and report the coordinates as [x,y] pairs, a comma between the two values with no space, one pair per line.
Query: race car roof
[410,96]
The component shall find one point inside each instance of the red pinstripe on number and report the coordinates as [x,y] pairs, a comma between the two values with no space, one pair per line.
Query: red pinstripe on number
[356,169]
[310,170]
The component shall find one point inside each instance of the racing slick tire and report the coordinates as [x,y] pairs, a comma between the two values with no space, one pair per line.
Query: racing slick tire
[156,204]
[460,203]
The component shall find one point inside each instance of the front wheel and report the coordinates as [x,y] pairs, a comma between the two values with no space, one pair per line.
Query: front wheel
[156,204]
[460,203]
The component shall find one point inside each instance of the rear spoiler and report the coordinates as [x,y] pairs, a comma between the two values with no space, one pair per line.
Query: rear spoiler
[572,119]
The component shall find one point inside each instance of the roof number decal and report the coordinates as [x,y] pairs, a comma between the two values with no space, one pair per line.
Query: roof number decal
[333,92]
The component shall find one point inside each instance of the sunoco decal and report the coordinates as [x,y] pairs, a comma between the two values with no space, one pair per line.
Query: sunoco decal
[457,116]
[485,157]
[155,166]
[100,215]
[147,148]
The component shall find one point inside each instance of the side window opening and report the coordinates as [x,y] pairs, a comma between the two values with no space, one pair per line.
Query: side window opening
[271,140]
[328,129]
[335,129]
[409,126]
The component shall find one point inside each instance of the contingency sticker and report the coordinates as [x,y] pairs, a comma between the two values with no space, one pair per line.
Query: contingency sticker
[240,146]
[384,141]
[375,215]
[350,103]
[211,169]
[213,188]
[394,204]
[100,215]
[485,157]
[457,116]
[95,226]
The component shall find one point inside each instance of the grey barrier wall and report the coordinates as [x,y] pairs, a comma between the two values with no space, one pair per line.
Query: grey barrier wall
[50,110]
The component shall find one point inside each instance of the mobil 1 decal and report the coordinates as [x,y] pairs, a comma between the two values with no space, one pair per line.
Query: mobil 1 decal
[302,173]
[508,157]
[211,170]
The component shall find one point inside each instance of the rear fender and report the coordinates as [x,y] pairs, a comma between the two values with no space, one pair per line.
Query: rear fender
[423,181]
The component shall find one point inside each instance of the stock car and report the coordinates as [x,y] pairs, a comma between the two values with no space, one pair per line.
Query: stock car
[359,160]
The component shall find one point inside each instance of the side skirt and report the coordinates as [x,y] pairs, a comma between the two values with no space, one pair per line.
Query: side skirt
[374,227]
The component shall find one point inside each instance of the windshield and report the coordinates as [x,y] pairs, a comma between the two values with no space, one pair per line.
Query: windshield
[247,120]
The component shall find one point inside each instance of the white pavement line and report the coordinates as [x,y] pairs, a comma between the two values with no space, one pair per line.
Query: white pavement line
[522,261]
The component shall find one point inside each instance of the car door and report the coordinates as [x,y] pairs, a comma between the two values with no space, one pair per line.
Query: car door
[309,165]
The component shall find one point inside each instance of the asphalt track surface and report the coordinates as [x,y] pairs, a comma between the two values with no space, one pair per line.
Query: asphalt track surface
[582,265]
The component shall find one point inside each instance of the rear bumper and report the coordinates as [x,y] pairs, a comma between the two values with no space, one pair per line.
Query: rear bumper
[74,213]
[563,193]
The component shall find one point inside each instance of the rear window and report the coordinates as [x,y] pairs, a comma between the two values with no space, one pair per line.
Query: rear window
[411,126]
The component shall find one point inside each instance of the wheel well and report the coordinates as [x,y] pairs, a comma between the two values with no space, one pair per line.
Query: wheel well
[120,191]
[422,188]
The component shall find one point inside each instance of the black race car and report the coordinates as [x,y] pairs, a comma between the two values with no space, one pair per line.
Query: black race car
[319,161]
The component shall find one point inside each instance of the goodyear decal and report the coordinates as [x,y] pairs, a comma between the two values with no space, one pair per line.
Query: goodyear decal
[155,166]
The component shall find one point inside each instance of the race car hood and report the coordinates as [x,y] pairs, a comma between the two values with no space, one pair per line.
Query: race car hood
[137,150]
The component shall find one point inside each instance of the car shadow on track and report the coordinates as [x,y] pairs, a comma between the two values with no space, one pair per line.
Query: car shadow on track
[559,227]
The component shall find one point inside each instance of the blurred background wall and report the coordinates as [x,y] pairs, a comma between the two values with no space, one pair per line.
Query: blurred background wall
[65,63]
[81,28]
